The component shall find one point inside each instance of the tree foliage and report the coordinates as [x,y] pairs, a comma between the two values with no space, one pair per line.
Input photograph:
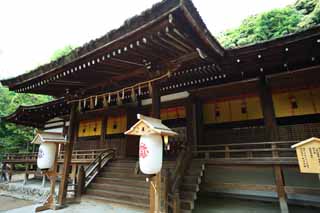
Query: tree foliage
[14,138]
[62,52]
[273,24]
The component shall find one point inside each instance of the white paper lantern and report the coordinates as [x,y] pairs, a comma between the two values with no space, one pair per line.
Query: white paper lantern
[46,155]
[150,153]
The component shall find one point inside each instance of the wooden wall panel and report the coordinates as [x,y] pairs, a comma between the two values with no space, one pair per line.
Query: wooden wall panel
[116,124]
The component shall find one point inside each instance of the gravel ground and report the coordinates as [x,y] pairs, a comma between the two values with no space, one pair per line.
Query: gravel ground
[84,207]
[7,203]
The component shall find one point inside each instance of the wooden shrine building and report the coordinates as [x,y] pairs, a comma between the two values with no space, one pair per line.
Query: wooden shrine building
[237,111]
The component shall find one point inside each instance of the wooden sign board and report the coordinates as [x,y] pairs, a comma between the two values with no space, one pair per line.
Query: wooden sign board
[308,153]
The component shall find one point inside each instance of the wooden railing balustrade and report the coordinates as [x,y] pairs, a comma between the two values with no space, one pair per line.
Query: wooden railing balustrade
[260,151]
[77,155]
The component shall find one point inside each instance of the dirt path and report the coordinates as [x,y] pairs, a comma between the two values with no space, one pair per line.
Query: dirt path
[7,203]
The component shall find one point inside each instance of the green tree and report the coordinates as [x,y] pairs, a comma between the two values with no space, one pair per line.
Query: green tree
[273,24]
[14,138]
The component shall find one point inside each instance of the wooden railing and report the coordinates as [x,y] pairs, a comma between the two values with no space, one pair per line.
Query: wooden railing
[25,157]
[77,156]
[260,151]
[94,167]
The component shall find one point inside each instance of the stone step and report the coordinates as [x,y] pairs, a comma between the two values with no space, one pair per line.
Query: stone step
[140,190]
[121,181]
[122,196]
[143,206]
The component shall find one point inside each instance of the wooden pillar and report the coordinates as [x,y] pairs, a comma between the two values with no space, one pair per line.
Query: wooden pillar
[194,121]
[103,132]
[190,122]
[155,181]
[68,154]
[272,132]
[280,189]
[267,106]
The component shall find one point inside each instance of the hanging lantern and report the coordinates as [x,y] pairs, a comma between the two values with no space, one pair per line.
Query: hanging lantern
[48,142]
[151,131]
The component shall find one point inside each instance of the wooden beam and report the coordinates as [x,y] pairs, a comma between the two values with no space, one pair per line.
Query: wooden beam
[68,154]
[267,106]
[281,189]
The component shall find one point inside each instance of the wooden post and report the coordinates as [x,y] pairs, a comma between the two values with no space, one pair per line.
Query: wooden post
[26,174]
[43,180]
[176,203]
[267,106]
[80,182]
[10,172]
[190,122]
[50,203]
[68,155]
[103,132]
[155,183]
[280,189]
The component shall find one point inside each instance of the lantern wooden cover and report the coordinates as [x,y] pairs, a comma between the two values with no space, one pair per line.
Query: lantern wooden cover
[48,137]
[147,126]
[308,153]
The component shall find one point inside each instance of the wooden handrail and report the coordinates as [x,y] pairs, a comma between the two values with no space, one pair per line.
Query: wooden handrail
[94,167]
[257,151]
[246,144]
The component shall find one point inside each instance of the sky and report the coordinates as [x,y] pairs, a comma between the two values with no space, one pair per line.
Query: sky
[31,31]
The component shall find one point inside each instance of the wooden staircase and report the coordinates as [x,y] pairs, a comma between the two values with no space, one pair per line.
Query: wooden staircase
[190,186]
[118,183]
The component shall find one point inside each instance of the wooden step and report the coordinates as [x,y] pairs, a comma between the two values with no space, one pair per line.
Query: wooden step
[185,211]
[188,195]
[191,179]
[117,169]
[121,181]
[190,187]
[195,172]
[143,206]
[186,204]
[144,190]
[122,196]
[122,175]
[123,164]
